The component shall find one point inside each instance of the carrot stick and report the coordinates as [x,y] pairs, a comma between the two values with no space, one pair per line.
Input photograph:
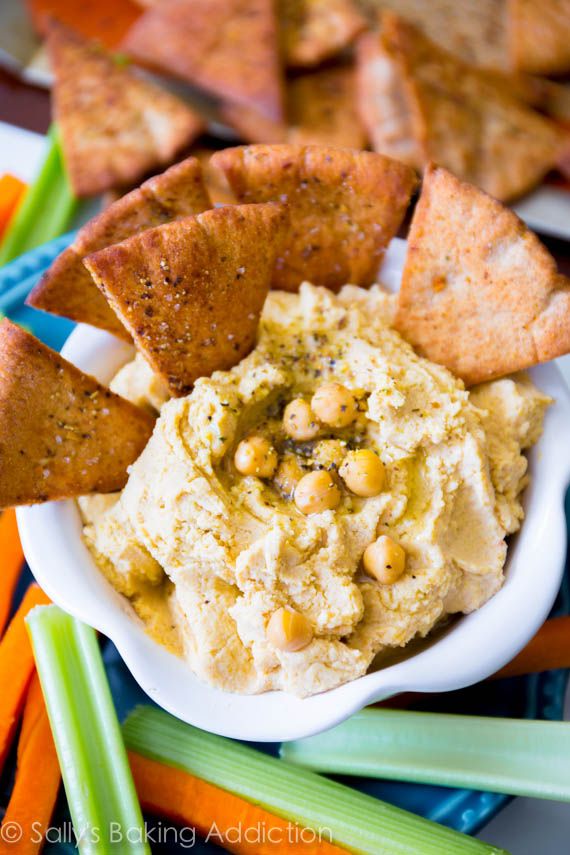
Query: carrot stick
[549,648]
[37,778]
[11,191]
[11,560]
[221,817]
[16,668]
[106,21]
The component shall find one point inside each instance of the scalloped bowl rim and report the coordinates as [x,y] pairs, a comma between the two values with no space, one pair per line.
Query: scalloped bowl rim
[473,648]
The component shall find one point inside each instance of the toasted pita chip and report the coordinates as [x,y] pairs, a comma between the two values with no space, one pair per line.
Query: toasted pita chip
[67,288]
[480,294]
[251,125]
[229,47]
[540,35]
[321,109]
[191,292]
[419,103]
[114,126]
[216,183]
[314,30]
[345,207]
[476,31]
[62,434]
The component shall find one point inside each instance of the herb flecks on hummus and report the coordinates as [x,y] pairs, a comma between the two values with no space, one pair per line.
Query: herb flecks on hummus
[237,551]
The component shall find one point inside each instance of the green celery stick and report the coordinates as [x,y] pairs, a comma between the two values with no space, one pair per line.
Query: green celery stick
[98,783]
[359,822]
[46,208]
[518,757]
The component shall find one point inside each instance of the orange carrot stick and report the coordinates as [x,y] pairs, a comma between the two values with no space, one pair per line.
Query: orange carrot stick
[16,668]
[549,648]
[212,811]
[11,191]
[37,778]
[106,21]
[11,560]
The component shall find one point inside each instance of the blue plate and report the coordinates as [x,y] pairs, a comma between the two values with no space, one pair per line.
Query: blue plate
[539,696]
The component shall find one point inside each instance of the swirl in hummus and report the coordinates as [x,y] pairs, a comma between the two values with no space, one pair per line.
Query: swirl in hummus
[208,555]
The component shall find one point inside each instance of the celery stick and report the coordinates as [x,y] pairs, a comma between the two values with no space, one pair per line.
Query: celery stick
[518,757]
[46,208]
[98,783]
[361,823]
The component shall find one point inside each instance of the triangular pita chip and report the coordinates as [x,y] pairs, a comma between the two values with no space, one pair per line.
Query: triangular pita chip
[314,30]
[228,47]
[62,434]
[345,207]
[420,103]
[480,294]
[476,31]
[540,35]
[251,125]
[115,126]
[67,288]
[191,292]
[321,109]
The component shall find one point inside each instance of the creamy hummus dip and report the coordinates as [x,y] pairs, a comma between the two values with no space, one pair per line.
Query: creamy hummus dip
[208,555]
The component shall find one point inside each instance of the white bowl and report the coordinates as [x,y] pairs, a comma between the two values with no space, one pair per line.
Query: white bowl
[473,648]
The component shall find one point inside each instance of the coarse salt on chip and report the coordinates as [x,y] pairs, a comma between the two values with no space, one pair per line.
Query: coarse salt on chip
[62,434]
[191,292]
[68,289]
[480,294]
[345,207]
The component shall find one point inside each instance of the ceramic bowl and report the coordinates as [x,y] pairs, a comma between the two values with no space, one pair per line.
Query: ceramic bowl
[473,647]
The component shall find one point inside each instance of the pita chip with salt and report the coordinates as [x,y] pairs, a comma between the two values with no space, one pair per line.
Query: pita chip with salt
[480,294]
[345,207]
[315,30]
[62,434]
[67,287]
[227,47]
[191,292]
[419,103]
[115,126]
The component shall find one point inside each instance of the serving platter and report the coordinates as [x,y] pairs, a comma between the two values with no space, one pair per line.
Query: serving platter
[539,697]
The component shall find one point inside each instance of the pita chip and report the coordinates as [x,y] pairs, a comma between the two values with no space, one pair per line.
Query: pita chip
[191,292]
[67,288]
[314,30]
[321,109]
[480,294]
[345,206]
[228,47]
[476,31]
[540,35]
[420,103]
[115,126]
[62,434]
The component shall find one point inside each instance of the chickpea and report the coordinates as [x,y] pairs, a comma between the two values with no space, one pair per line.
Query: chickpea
[363,473]
[288,476]
[384,560]
[334,405]
[299,421]
[256,456]
[289,630]
[316,492]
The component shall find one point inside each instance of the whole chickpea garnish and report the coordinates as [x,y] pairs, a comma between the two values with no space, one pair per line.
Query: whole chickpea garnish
[363,473]
[384,560]
[334,405]
[317,492]
[299,421]
[256,456]
[289,630]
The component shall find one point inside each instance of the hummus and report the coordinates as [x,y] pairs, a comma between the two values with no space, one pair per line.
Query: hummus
[207,555]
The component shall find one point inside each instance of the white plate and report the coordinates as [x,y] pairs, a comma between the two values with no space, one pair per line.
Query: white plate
[473,648]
